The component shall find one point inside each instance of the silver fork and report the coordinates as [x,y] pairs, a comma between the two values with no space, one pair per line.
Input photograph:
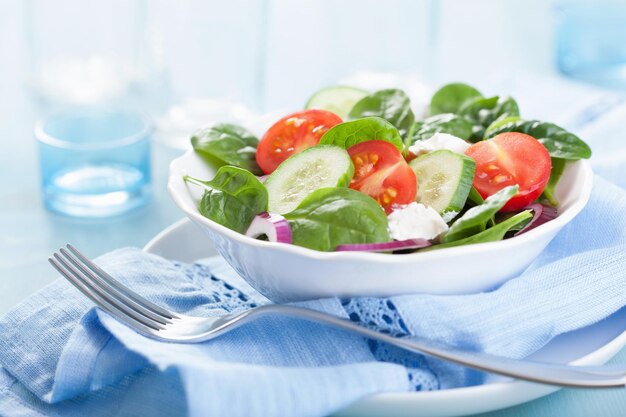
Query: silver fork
[158,323]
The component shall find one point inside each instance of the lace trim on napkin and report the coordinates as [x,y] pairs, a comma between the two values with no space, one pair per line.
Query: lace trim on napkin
[222,294]
[381,315]
[375,313]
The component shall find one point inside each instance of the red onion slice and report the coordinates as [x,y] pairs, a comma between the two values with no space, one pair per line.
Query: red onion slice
[541,215]
[274,226]
[262,178]
[385,246]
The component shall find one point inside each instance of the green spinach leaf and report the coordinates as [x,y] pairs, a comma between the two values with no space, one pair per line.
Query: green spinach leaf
[330,217]
[558,166]
[482,112]
[228,143]
[232,198]
[441,123]
[477,199]
[492,234]
[475,196]
[392,105]
[502,217]
[498,123]
[450,97]
[475,219]
[349,134]
[559,142]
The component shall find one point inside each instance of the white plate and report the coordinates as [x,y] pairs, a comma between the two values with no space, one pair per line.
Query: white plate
[593,345]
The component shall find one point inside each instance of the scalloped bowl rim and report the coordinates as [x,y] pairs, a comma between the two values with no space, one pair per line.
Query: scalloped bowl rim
[178,189]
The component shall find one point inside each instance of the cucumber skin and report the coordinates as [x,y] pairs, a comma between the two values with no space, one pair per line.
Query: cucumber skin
[330,91]
[343,181]
[463,188]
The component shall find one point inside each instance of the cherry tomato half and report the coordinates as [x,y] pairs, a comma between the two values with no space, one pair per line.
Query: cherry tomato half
[507,159]
[381,172]
[292,134]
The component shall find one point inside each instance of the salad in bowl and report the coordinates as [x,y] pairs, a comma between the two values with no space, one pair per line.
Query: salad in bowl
[357,172]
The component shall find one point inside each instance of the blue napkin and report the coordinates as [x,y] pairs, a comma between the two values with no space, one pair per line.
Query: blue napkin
[63,357]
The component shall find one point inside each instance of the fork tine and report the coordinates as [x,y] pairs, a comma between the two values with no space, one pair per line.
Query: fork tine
[100,302]
[103,296]
[121,288]
[96,281]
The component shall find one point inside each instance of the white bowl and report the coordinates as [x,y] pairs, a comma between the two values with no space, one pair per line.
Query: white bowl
[287,272]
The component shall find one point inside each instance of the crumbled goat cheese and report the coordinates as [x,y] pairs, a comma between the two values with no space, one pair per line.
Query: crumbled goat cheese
[449,215]
[415,221]
[439,141]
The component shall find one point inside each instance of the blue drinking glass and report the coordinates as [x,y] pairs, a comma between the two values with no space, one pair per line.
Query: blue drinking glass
[94,162]
[591,41]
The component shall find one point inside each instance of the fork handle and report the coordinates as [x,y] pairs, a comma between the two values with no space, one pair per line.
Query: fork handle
[545,373]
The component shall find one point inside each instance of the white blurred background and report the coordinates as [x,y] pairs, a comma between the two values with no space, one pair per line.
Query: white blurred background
[261,53]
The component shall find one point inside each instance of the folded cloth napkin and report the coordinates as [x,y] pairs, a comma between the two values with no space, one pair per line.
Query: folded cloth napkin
[61,356]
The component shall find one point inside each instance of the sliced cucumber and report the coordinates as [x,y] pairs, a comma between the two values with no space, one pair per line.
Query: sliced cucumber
[338,100]
[299,175]
[444,181]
